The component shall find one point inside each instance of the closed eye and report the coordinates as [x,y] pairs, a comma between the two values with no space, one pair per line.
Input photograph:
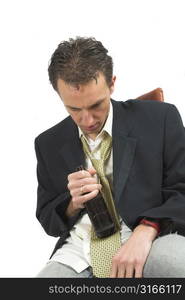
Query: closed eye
[75,109]
[95,106]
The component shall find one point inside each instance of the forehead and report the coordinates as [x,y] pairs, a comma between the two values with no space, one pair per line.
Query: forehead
[86,94]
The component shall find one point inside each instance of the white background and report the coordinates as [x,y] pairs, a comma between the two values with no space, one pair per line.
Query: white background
[146,41]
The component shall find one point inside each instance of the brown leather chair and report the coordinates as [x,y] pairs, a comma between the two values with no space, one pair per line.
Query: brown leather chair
[156,94]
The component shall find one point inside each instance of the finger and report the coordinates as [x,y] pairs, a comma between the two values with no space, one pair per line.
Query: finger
[89,188]
[88,180]
[75,184]
[114,270]
[78,175]
[88,196]
[129,272]
[80,200]
[121,271]
[79,191]
[139,272]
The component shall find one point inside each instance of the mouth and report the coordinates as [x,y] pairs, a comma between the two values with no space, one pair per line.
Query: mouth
[91,128]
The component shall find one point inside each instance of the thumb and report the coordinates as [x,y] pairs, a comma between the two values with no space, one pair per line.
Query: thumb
[91,170]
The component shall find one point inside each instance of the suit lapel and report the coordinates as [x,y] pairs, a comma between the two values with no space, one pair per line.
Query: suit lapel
[71,150]
[123,147]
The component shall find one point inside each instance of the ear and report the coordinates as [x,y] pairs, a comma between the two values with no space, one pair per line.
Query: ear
[112,84]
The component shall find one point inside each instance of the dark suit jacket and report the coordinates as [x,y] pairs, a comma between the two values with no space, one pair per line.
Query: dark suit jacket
[148,167]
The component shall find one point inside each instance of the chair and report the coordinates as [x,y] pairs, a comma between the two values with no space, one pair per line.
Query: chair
[156,94]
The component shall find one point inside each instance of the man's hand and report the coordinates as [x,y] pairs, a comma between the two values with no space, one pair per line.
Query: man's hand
[130,259]
[83,187]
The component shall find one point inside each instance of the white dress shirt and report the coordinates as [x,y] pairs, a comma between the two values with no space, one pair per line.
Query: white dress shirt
[76,251]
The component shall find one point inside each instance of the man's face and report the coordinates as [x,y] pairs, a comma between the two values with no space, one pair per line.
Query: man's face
[88,104]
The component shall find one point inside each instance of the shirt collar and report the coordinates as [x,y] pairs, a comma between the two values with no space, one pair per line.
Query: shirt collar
[107,126]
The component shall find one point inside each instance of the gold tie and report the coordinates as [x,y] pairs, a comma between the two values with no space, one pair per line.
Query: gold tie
[103,249]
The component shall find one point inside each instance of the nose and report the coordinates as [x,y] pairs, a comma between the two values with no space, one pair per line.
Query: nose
[87,118]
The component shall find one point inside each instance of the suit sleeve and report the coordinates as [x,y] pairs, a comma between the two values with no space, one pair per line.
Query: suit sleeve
[172,210]
[51,206]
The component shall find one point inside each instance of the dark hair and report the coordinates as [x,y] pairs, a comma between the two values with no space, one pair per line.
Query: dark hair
[78,61]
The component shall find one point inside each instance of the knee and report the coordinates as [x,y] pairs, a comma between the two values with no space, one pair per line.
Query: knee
[166,258]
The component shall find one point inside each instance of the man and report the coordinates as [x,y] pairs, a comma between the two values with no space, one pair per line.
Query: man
[145,171]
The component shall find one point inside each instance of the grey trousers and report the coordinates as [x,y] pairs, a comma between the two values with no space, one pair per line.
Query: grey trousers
[166,259]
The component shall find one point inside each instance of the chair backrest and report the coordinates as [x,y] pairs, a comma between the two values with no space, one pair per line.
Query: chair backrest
[156,94]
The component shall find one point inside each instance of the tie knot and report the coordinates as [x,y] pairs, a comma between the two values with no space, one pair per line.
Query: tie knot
[104,147]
